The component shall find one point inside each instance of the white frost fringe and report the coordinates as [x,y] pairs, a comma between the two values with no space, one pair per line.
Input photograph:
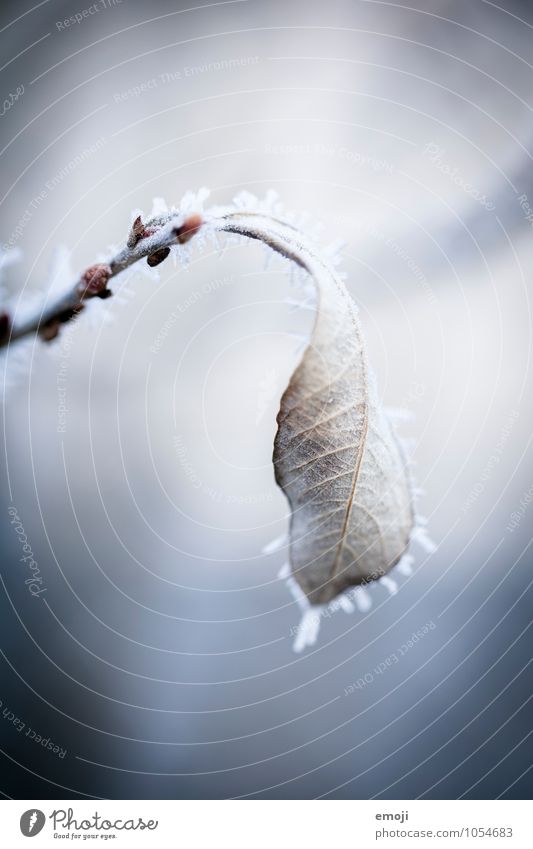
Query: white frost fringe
[359,598]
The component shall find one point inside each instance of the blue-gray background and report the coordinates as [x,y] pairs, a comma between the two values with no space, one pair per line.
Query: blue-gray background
[159,656]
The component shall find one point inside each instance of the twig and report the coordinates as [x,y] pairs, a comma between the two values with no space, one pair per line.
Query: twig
[152,240]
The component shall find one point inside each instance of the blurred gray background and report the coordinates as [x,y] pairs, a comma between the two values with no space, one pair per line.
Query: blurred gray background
[159,658]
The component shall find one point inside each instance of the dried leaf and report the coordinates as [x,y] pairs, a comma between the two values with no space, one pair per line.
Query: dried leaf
[338,460]
[336,456]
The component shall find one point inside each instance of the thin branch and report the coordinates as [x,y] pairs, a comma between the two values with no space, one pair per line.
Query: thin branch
[152,240]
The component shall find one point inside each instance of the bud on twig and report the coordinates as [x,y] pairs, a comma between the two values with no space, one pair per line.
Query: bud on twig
[190,226]
[157,257]
[5,327]
[94,281]
[138,231]
[50,330]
